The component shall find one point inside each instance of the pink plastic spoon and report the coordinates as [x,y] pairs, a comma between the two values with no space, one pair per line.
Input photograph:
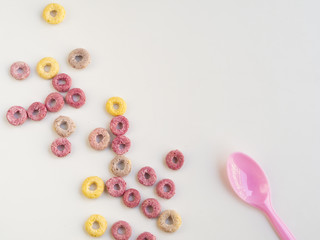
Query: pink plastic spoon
[251,185]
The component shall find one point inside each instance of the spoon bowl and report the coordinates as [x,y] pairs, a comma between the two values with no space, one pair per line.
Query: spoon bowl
[251,184]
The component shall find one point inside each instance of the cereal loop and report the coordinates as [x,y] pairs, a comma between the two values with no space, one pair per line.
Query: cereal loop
[131,198]
[121,230]
[96,220]
[64,126]
[147,176]
[61,147]
[62,82]
[79,58]
[54,102]
[53,13]
[173,219]
[116,186]
[93,187]
[16,115]
[76,98]
[119,125]
[151,208]
[175,159]
[20,70]
[37,111]
[146,236]
[166,188]
[116,106]
[99,139]
[47,67]
[121,145]
[120,166]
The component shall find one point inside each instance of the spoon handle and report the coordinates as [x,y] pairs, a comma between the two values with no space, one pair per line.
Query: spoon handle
[282,230]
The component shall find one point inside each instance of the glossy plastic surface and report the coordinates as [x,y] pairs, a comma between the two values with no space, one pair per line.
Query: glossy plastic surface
[251,184]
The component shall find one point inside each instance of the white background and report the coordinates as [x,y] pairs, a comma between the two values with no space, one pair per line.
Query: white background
[206,77]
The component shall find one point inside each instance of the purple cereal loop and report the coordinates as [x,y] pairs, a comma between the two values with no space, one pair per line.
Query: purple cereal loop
[169,185]
[75,92]
[175,159]
[103,144]
[37,111]
[151,208]
[62,87]
[127,231]
[116,186]
[147,176]
[61,147]
[134,194]
[146,236]
[121,145]
[54,102]
[21,115]
[20,66]
[119,125]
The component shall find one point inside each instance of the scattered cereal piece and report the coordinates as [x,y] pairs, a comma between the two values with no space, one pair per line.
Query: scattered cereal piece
[61,147]
[119,125]
[37,111]
[16,115]
[147,176]
[116,106]
[146,236]
[76,98]
[175,159]
[47,67]
[99,139]
[121,145]
[20,70]
[172,217]
[62,82]
[121,230]
[79,58]
[120,166]
[116,186]
[99,221]
[93,187]
[131,198]
[166,188]
[54,102]
[53,13]
[151,208]
[64,126]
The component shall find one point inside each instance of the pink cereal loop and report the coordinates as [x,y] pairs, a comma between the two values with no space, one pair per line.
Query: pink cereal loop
[121,145]
[163,185]
[62,87]
[16,115]
[116,186]
[37,111]
[147,176]
[131,198]
[175,159]
[75,92]
[127,231]
[119,125]
[20,70]
[146,236]
[151,208]
[54,102]
[61,147]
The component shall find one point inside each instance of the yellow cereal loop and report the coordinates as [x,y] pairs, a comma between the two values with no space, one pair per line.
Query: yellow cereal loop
[47,67]
[116,106]
[90,182]
[100,222]
[53,13]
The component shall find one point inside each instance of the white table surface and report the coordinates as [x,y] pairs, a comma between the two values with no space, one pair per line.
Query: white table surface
[206,77]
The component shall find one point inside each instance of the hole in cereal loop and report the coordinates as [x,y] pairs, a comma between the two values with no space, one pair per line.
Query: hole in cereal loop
[146,175]
[93,187]
[149,209]
[116,106]
[64,125]
[78,58]
[96,225]
[99,138]
[53,13]
[169,221]
[61,148]
[131,197]
[121,230]
[116,187]
[76,97]
[120,165]
[120,125]
[47,68]
[166,188]
[17,115]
